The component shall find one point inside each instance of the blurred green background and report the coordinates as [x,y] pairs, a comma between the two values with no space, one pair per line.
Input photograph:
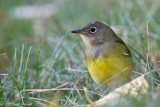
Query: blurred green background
[37,50]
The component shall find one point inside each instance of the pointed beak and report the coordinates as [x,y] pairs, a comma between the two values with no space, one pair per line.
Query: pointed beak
[78,31]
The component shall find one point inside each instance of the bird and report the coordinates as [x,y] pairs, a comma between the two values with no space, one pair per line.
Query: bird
[108,59]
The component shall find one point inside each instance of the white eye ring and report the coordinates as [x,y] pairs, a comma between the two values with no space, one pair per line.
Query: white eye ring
[93,29]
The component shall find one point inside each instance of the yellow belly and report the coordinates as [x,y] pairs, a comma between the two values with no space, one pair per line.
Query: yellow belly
[111,71]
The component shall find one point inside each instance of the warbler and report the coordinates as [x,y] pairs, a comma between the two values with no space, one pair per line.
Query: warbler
[108,59]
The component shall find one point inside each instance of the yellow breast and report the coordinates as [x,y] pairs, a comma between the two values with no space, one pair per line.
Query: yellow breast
[112,70]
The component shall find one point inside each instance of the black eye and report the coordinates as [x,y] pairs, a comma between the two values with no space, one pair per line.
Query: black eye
[93,29]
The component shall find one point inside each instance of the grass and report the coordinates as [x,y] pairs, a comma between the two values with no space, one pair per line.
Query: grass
[53,58]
